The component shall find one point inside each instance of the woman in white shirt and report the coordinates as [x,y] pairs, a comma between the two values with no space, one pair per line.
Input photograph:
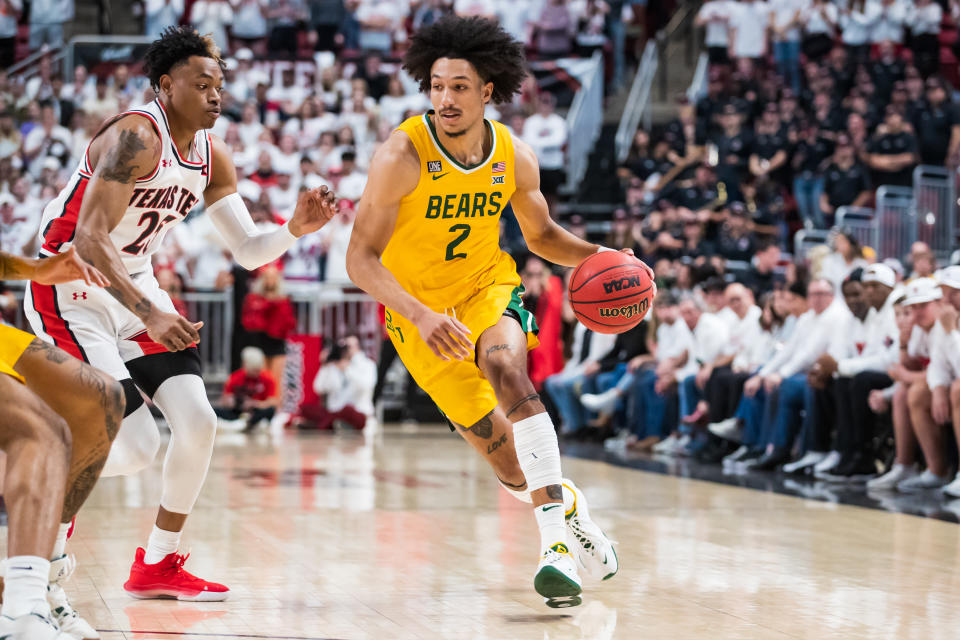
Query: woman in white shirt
[924,18]
[714,16]
[819,28]
[856,23]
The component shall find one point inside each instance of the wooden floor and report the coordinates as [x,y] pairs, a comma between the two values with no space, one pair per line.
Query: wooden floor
[326,537]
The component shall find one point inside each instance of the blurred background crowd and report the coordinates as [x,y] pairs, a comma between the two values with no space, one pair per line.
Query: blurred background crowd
[836,357]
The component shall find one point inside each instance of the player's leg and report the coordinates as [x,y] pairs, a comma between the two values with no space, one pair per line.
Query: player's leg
[173,382]
[37,445]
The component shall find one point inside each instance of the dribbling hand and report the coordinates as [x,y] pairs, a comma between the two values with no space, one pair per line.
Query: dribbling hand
[447,337]
[315,208]
[172,330]
[645,266]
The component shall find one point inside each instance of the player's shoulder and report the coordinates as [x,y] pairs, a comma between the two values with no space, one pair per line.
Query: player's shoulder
[398,152]
[134,132]
[527,165]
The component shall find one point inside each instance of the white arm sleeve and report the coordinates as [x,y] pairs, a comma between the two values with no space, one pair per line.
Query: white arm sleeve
[251,248]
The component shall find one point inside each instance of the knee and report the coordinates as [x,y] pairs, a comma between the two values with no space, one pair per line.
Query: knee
[197,428]
[44,428]
[506,375]
[918,396]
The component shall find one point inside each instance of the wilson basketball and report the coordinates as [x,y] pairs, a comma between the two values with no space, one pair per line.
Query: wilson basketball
[610,292]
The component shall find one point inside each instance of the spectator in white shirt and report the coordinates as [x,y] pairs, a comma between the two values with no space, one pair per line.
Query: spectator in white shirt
[714,17]
[312,119]
[249,27]
[352,181]
[785,23]
[887,18]
[49,140]
[923,18]
[709,337]
[160,14]
[47,18]
[943,376]
[546,133]
[283,195]
[856,23]
[212,16]
[346,379]
[250,128]
[588,348]
[819,27]
[749,20]
[335,239]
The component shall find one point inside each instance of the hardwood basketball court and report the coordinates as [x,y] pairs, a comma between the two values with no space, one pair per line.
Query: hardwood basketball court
[329,537]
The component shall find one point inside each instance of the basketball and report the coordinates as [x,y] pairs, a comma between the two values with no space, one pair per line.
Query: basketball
[610,292]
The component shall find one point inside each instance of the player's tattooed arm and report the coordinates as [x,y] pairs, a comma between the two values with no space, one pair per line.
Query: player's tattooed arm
[120,162]
[16,268]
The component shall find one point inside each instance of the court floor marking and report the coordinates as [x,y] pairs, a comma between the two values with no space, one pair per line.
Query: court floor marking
[210,635]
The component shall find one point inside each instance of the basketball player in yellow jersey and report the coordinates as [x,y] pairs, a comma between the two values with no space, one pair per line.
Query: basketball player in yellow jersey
[426,245]
[58,418]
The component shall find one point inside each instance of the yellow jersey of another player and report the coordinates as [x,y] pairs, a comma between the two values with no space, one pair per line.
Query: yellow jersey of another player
[446,243]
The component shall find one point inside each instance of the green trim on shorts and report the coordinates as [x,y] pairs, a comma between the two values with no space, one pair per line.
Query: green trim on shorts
[527,321]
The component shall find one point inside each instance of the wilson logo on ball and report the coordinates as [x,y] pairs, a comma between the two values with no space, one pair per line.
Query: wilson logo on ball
[627,311]
[621,283]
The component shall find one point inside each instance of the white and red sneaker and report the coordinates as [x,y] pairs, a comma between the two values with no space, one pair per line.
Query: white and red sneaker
[168,579]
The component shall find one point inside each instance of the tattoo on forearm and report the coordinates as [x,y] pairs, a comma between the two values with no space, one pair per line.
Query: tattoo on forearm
[483,428]
[118,165]
[51,353]
[498,347]
[11,267]
[496,444]
[533,397]
[555,492]
[139,307]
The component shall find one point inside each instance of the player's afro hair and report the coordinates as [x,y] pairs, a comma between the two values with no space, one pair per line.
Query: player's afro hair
[175,46]
[496,56]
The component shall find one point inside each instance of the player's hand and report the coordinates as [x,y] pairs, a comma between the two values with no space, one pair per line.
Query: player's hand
[172,330]
[67,267]
[447,337]
[646,268]
[940,406]
[877,401]
[315,208]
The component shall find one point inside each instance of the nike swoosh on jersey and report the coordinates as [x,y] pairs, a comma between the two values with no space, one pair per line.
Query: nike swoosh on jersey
[439,176]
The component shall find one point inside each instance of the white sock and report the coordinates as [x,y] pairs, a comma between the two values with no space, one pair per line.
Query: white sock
[25,586]
[553,527]
[161,544]
[60,544]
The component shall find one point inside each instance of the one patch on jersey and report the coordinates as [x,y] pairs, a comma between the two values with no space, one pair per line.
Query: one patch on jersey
[499,167]
[434,166]
[498,180]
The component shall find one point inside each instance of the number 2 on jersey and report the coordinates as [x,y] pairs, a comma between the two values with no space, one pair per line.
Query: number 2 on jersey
[154,225]
[464,230]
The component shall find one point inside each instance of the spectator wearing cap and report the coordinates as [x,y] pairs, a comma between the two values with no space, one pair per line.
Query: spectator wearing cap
[848,341]
[938,125]
[160,14]
[923,18]
[786,374]
[768,157]
[819,20]
[943,376]
[546,133]
[249,27]
[892,151]
[734,240]
[927,361]
[846,183]
[930,400]
[809,156]
[886,70]
[733,144]
[714,17]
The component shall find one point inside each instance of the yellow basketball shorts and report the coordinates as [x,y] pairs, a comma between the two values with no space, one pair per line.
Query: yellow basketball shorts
[13,343]
[458,387]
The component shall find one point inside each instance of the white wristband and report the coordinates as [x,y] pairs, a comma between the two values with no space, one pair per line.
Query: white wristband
[602,248]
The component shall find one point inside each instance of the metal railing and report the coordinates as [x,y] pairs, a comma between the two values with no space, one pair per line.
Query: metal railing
[896,221]
[859,221]
[934,202]
[335,310]
[638,101]
[215,309]
[584,122]
[698,86]
[679,31]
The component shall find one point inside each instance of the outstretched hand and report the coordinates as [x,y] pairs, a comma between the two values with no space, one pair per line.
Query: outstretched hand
[315,208]
[67,267]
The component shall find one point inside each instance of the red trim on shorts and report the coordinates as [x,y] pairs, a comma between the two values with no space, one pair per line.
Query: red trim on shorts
[61,229]
[54,324]
[147,345]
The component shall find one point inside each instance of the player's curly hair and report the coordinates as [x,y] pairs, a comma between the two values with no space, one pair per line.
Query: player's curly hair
[175,46]
[493,52]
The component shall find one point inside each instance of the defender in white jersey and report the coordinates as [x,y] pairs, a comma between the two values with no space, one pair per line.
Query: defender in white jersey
[140,176]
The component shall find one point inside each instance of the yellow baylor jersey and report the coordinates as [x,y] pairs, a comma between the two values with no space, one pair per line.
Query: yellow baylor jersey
[446,243]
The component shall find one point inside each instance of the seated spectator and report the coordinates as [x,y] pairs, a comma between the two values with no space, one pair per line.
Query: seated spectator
[846,183]
[709,341]
[587,348]
[761,276]
[943,376]
[346,380]
[846,256]
[544,294]
[735,239]
[250,393]
[922,261]
[892,151]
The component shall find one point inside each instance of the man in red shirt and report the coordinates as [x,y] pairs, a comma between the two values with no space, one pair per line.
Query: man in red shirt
[250,392]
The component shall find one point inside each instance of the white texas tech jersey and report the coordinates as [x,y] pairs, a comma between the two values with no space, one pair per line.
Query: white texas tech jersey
[160,200]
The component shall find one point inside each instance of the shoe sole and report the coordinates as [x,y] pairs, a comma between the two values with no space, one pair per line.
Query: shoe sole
[559,590]
[203,596]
